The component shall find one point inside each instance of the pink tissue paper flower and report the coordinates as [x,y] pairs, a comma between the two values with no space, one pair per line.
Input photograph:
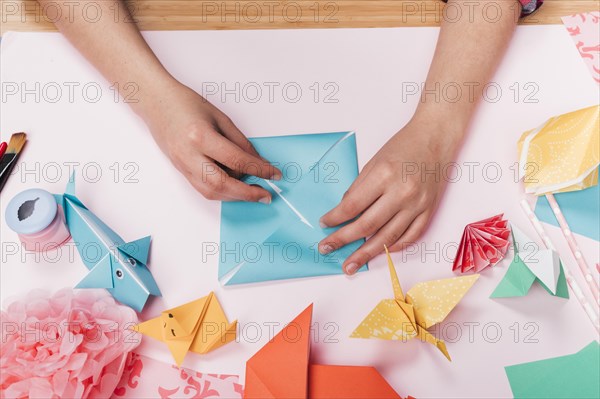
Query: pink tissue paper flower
[73,344]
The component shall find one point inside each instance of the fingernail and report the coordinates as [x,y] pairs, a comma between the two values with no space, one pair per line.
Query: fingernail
[322,225]
[351,269]
[277,176]
[265,200]
[326,248]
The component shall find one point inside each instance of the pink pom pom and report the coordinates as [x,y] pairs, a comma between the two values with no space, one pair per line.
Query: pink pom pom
[72,344]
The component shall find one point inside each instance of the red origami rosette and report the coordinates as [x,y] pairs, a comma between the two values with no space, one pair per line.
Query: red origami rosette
[483,244]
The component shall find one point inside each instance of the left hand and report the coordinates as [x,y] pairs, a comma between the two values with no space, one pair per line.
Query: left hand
[397,193]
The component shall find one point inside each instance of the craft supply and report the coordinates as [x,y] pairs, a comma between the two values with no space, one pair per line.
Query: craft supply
[531,263]
[483,244]
[590,310]
[583,28]
[574,247]
[406,317]
[11,156]
[562,154]
[3,146]
[282,369]
[581,208]
[145,377]
[570,376]
[278,241]
[70,344]
[116,265]
[34,215]
[199,326]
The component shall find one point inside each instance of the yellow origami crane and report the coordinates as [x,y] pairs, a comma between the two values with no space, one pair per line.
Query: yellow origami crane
[199,326]
[562,154]
[425,305]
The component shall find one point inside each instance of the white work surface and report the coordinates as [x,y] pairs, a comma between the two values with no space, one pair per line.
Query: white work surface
[369,68]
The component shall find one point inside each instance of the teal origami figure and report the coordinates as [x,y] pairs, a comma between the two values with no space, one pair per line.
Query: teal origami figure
[116,265]
[530,264]
[280,241]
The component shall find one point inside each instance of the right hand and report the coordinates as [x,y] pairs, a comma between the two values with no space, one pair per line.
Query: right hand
[206,146]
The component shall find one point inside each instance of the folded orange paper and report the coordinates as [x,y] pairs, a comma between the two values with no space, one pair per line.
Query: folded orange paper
[281,369]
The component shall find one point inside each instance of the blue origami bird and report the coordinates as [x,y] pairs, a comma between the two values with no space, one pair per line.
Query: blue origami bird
[114,264]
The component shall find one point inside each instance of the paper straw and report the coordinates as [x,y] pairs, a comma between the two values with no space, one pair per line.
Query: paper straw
[592,312]
[574,247]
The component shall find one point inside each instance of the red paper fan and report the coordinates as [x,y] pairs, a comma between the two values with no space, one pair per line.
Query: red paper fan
[483,244]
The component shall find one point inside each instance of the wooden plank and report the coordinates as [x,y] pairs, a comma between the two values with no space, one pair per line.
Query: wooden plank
[28,15]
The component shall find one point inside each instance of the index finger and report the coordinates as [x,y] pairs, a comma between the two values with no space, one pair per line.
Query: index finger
[233,157]
[224,187]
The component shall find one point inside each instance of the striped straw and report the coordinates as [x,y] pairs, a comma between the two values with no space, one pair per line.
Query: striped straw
[574,247]
[592,312]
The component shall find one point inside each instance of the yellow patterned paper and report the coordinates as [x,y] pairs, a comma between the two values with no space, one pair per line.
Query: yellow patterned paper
[434,300]
[563,154]
[425,305]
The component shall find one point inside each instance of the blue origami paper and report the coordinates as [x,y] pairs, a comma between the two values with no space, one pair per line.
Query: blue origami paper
[116,265]
[580,208]
[280,241]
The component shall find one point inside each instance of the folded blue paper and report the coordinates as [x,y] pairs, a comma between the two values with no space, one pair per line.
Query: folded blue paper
[280,241]
[114,264]
[580,208]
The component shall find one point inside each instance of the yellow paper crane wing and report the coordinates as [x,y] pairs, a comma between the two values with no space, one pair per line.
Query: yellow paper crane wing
[198,326]
[390,320]
[434,300]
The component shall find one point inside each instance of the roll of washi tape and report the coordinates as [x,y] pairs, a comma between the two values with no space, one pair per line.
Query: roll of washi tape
[37,219]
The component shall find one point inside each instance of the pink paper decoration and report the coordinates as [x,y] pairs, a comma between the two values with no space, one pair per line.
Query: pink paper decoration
[483,244]
[72,344]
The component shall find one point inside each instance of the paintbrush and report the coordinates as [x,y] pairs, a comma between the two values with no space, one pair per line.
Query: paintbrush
[9,159]
[3,146]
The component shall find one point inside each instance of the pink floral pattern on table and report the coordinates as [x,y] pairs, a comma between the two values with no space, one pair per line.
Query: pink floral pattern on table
[585,31]
[148,378]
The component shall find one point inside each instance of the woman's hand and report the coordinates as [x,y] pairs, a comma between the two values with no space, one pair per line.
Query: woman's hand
[200,140]
[395,203]
[397,192]
[205,145]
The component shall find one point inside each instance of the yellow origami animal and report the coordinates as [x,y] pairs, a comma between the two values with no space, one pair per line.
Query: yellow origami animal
[425,305]
[199,326]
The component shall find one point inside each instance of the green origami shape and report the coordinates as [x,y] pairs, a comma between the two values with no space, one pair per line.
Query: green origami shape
[518,281]
[519,278]
[571,376]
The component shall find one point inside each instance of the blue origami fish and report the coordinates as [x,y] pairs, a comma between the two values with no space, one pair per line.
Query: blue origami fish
[116,265]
